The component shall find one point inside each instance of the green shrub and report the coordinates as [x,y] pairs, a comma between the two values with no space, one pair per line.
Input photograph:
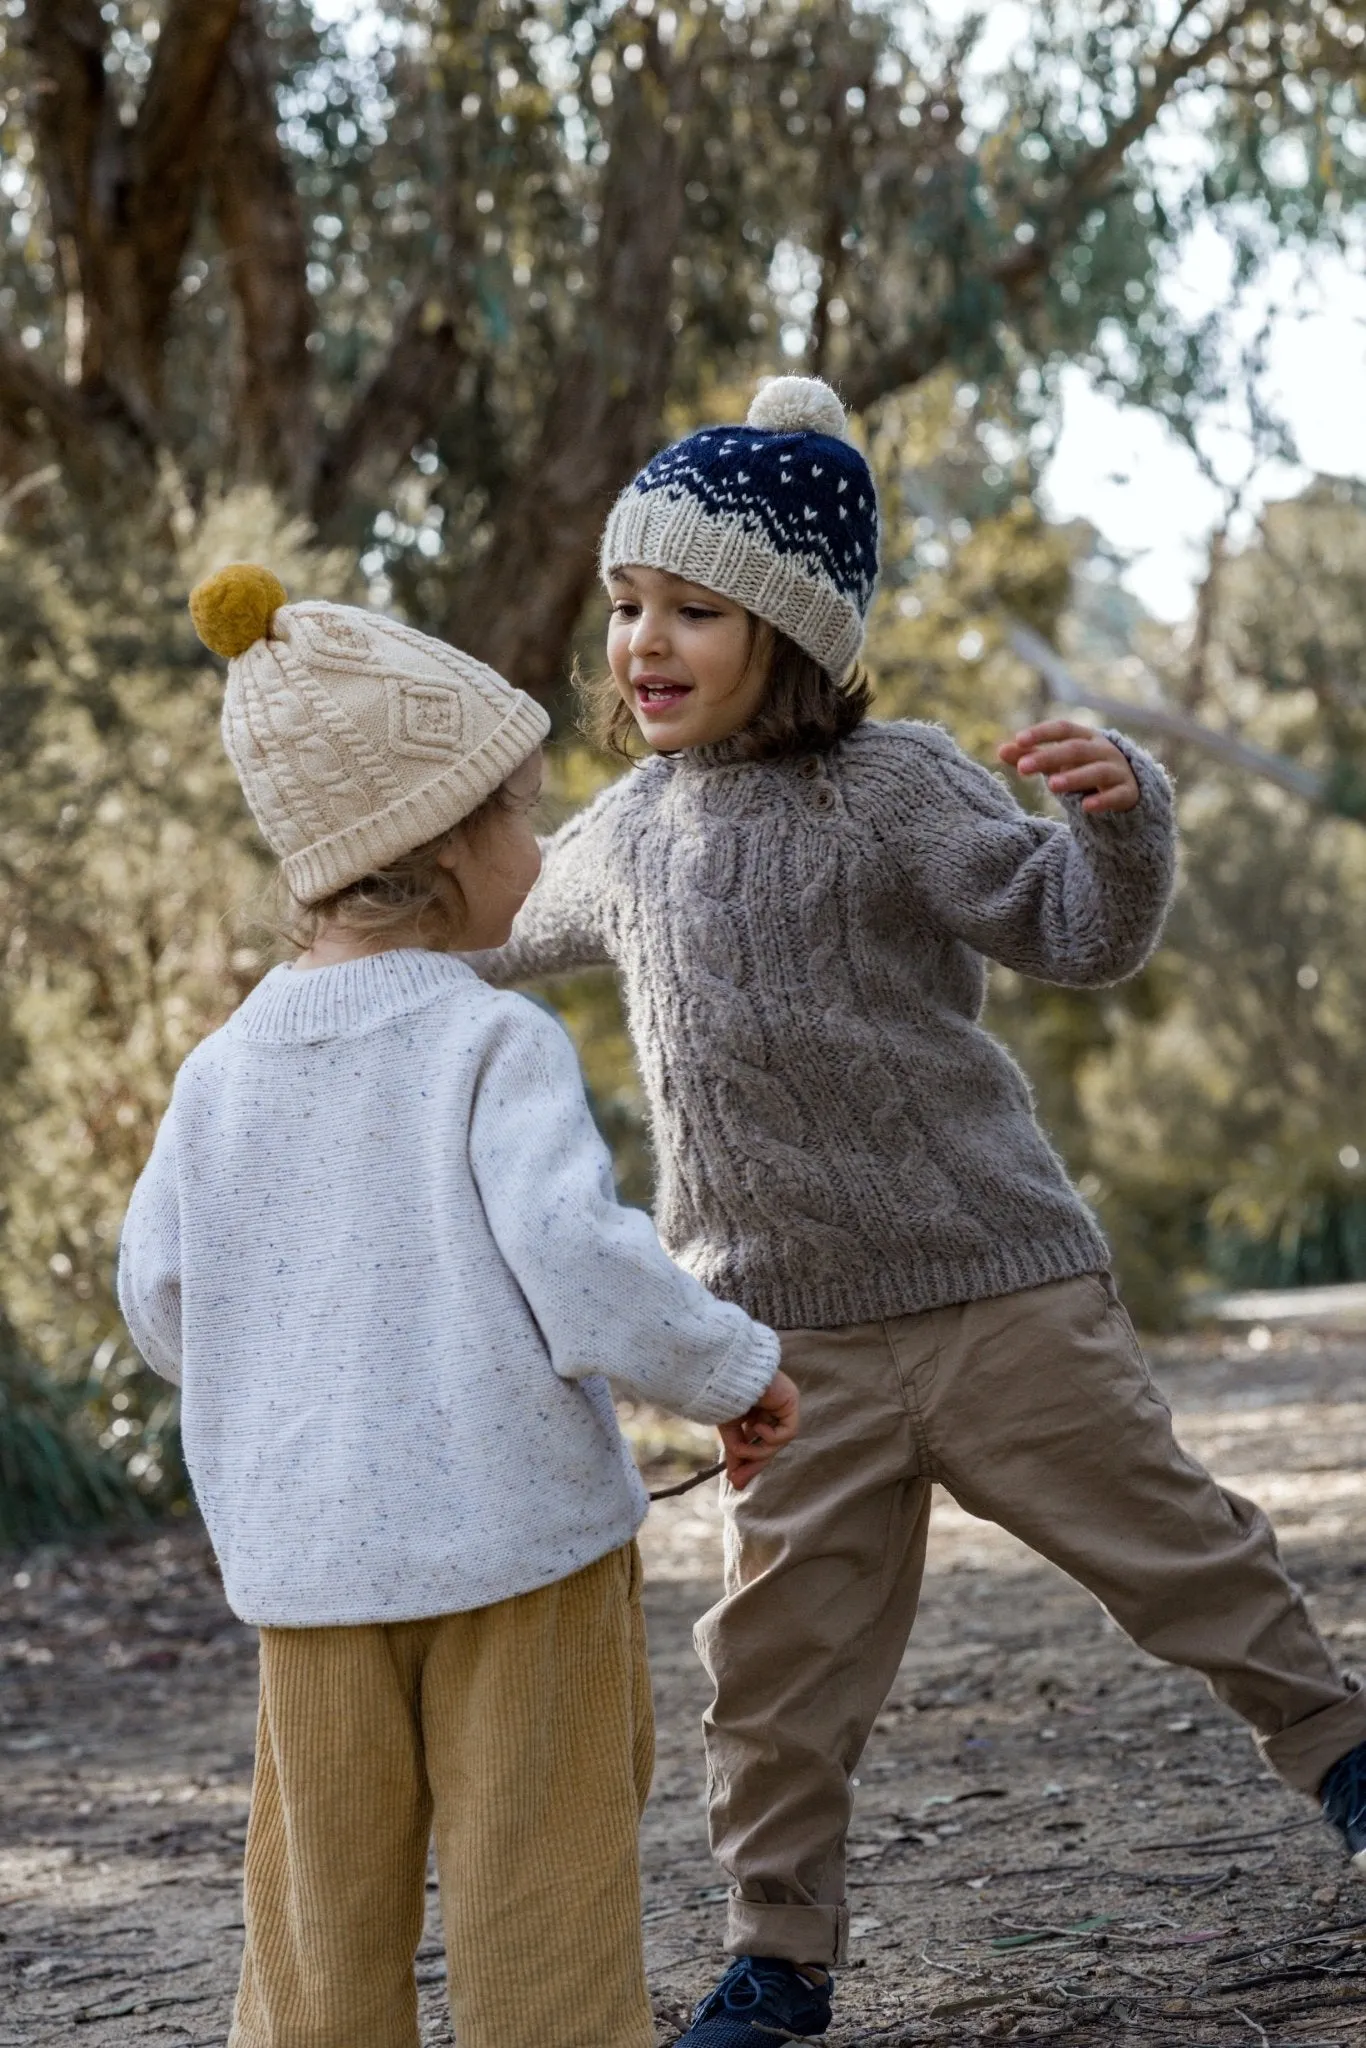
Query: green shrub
[54,1476]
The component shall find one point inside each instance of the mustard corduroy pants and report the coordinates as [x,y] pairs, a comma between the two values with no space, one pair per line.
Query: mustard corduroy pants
[522,1736]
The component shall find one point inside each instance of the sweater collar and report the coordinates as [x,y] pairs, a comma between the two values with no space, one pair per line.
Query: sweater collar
[723,754]
[292,1006]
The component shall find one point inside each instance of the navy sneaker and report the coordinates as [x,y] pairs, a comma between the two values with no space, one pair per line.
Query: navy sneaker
[760,2001]
[1343,1798]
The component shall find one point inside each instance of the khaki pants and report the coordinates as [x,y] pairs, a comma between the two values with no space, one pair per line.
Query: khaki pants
[1036,1411]
[521,1733]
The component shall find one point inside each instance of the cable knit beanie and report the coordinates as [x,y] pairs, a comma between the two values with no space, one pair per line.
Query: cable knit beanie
[778,515]
[355,739]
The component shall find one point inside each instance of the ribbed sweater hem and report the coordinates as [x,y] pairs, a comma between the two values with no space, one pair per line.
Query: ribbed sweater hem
[282,1603]
[919,1285]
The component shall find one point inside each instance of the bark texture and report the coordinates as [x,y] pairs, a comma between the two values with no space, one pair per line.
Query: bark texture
[518,607]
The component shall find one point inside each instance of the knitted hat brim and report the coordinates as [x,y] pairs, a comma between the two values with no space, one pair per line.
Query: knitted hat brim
[667,530]
[320,870]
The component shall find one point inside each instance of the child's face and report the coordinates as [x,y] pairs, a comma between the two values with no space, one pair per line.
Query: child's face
[692,666]
[497,861]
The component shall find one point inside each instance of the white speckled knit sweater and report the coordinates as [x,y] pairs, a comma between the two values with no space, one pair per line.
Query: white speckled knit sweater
[377,1243]
[801,947]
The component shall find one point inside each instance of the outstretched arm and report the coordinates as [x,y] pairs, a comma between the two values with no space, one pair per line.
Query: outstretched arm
[604,1293]
[1081,903]
[562,926]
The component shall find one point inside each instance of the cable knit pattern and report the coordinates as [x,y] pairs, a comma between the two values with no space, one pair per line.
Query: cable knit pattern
[803,951]
[356,738]
[377,1243]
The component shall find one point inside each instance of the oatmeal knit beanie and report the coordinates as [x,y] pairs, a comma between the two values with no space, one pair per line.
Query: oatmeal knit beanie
[778,515]
[355,739]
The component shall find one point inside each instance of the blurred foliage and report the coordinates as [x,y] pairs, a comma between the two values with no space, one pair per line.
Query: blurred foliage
[491,252]
[1292,621]
[436,274]
[1228,1128]
[54,1477]
[132,893]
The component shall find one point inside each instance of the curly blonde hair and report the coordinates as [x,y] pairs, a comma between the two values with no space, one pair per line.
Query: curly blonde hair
[415,898]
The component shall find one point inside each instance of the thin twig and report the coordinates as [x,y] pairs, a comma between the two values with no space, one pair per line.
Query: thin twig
[687,1485]
[1202,1843]
[1258,1948]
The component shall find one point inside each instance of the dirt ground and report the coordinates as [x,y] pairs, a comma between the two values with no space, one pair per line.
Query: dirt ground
[1057,1839]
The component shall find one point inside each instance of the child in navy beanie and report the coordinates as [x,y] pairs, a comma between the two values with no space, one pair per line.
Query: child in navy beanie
[780,515]
[801,903]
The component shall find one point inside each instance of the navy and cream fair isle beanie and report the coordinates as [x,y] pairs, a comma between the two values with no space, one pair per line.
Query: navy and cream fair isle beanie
[778,515]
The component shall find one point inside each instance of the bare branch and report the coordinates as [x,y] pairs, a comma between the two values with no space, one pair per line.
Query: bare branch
[1176,725]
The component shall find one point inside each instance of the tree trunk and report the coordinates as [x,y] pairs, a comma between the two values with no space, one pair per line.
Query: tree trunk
[123,203]
[517,609]
[259,218]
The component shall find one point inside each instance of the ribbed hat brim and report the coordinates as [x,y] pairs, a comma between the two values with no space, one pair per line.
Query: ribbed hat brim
[320,870]
[668,530]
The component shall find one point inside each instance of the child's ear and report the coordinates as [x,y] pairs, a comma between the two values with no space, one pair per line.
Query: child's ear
[449,855]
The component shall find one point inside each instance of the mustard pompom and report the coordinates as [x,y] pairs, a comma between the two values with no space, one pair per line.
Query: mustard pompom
[233,609]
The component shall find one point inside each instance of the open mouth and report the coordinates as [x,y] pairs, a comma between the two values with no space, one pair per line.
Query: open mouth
[658,693]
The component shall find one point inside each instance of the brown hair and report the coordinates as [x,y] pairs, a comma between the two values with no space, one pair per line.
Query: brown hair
[804,711]
[414,897]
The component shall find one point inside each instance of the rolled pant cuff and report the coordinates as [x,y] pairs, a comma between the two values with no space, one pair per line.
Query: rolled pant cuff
[799,1934]
[1305,1753]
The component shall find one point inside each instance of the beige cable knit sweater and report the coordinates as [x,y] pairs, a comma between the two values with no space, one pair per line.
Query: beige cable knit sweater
[801,948]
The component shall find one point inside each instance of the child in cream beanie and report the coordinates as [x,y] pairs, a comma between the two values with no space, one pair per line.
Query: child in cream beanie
[377,1247]
[354,737]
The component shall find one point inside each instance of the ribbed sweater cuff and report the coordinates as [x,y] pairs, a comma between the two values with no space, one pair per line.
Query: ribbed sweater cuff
[742,1376]
[1149,822]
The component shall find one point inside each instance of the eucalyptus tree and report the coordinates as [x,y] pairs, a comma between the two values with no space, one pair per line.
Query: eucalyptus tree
[442,293]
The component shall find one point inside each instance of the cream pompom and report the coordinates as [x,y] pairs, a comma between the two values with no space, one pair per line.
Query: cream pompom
[233,610]
[797,405]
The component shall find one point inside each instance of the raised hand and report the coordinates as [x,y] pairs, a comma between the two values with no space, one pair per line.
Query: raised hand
[1074,758]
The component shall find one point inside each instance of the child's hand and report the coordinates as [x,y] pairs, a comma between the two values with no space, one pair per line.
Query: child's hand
[750,1441]
[1074,757]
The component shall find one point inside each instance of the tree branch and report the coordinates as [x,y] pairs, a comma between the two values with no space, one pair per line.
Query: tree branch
[1016,276]
[837,177]
[122,201]
[260,223]
[65,41]
[76,133]
[33,403]
[1095,169]
[396,408]
[1175,725]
